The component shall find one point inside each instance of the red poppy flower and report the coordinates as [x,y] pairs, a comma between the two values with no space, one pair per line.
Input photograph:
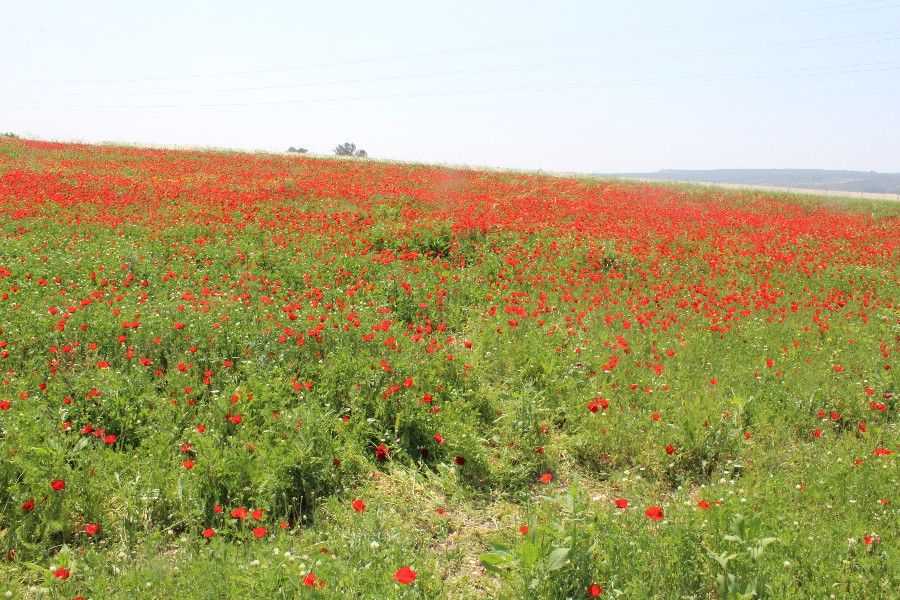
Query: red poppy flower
[621,503]
[546,478]
[259,532]
[257,514]
[655,513]
[703,504]
[62,573]
[381,452]
[882,452]
[92,528]
[595,590]
[188,464]
[359,506]
[58,485]
[208,533]
[405,575]
[311,581]
[110,439]
[239,513]
[28,505]
[670,450]
[439,438]
[523,529]
[655,416]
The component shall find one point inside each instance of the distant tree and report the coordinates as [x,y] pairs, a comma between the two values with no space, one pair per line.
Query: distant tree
[298,150]
[9,134]
[361,153]
[345,149]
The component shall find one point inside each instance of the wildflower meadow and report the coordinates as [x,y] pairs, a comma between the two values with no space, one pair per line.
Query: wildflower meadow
[229,375]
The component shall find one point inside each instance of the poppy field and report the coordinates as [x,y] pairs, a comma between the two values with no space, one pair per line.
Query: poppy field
[229,375]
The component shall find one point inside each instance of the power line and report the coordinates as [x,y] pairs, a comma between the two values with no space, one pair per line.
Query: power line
[738,21]
[830,70]
[729,50]
[519,101]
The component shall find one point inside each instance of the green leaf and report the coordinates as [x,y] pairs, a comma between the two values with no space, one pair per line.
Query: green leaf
[500,548]
[243,579]
[557,560]
[493,562]
[35,567]
[722,559]
[529,554]
[737,526]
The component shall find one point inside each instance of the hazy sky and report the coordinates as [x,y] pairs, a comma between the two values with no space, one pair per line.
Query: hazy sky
[589,86]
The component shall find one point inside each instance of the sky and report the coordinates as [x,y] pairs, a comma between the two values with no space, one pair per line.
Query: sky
[587,86]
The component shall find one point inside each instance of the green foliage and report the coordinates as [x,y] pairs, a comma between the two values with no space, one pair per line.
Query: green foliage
[345,149]
[748,583]
[552,557]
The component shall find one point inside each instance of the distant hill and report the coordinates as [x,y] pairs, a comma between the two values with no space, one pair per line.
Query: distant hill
[814,179]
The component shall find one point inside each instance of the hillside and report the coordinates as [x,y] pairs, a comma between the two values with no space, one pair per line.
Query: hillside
[814,179]
[232,375]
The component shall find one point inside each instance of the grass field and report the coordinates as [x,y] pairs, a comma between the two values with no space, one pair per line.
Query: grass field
[252,376]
